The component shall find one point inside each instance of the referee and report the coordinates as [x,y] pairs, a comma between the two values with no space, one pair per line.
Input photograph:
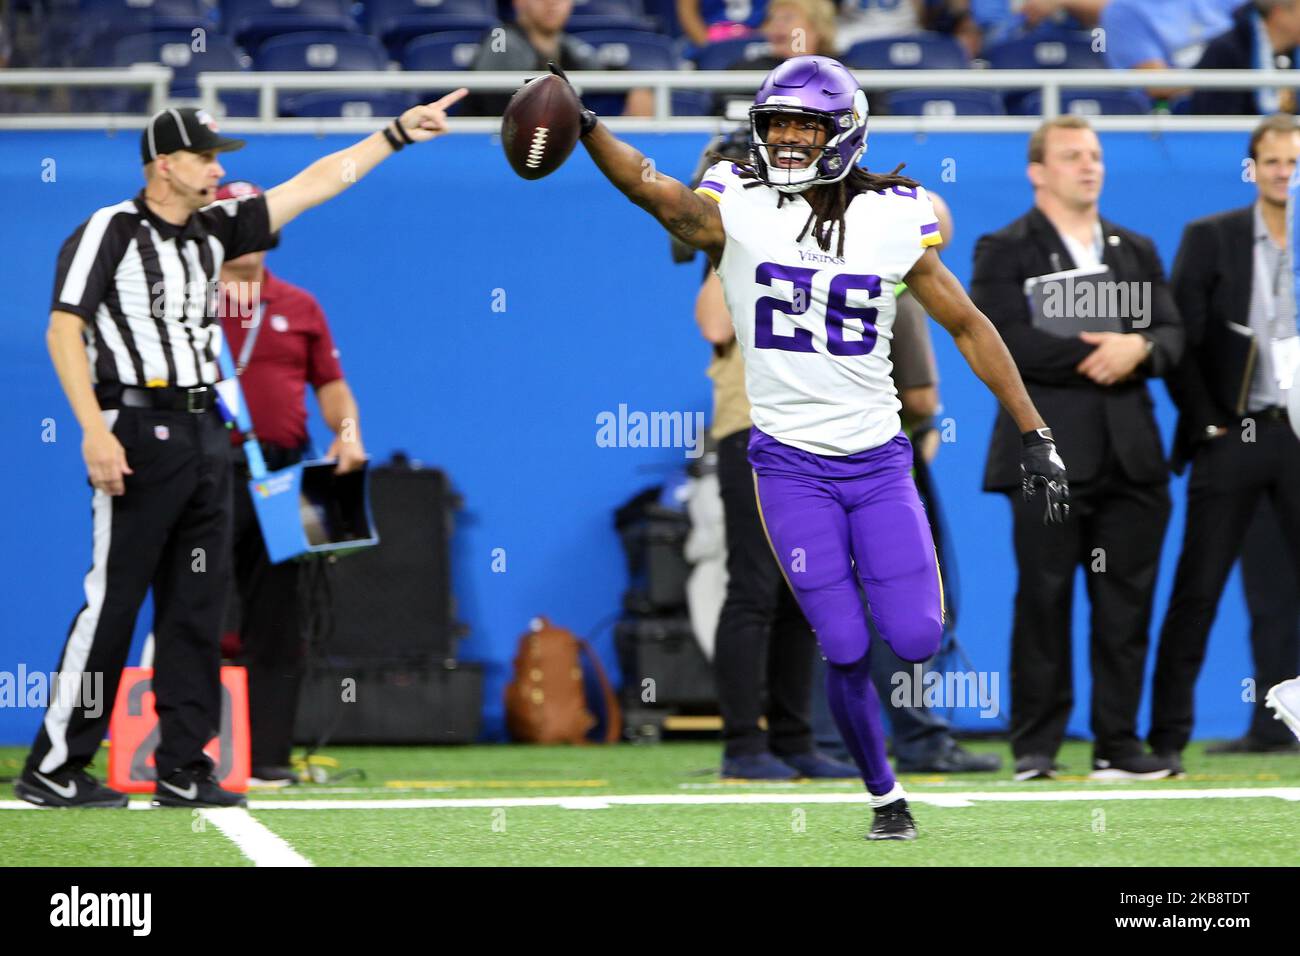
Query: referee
[134,338]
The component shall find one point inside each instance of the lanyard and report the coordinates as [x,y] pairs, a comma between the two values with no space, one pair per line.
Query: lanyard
[246,352]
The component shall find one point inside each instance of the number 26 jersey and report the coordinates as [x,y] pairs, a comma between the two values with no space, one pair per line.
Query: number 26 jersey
[816,328]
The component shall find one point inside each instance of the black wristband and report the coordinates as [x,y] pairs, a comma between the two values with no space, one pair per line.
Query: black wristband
[392,140]
[401,131]
[587,121]
[1038,436]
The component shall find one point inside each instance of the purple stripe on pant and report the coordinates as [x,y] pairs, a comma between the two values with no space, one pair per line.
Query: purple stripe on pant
[835,521]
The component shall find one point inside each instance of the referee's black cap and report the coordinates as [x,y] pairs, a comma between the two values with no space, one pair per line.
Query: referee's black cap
[182,128]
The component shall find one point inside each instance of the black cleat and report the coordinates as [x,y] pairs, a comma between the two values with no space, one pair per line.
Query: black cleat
[67,788]
[893,821]
[194,788]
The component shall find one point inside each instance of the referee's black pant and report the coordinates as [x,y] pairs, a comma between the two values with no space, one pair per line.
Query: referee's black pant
[271,642]
[1114,531]
[763,641]
[1229,479]
[169,531]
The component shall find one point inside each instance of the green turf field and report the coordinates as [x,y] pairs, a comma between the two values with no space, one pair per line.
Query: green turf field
[664,805]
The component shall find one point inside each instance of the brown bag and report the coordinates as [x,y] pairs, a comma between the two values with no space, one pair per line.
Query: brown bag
[545,702]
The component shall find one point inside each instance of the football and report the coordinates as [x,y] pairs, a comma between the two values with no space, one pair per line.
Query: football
[540,127]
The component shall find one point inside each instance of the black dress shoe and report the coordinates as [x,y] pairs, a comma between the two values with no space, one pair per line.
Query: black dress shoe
[1253,745]
[955,759]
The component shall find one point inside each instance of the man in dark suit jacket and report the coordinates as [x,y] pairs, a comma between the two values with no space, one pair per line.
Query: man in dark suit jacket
[1092,387]
[1277,23]
[1234,284]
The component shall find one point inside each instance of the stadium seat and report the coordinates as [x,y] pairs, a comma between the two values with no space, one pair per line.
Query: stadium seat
[397,22]
[176,50]
[944,103]
[633,50]
[253,22]
[920,51]
[1087,103]
[358,104]
[96,25]
[1046,52]
[608,15]
[321,51]
[1042,51]
[725,53]
[327,52]
[442,51]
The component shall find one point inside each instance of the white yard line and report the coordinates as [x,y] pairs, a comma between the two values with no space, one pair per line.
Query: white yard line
[254,839]
[599,802]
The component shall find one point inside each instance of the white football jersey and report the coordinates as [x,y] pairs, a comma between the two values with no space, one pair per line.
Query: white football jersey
[815,328]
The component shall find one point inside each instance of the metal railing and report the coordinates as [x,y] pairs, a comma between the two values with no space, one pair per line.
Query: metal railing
[662,83]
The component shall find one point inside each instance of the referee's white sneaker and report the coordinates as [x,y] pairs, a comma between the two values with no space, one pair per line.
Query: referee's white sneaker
[1284,699]
[67,788]
[194,788]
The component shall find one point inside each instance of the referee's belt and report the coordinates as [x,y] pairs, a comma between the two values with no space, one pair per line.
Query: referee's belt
[201,398]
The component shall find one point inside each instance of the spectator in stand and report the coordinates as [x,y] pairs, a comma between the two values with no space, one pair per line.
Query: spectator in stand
[874,19]
[708,21]
[525,46]
[1162,34]
[1007,19]
[791,28]
[1263,36]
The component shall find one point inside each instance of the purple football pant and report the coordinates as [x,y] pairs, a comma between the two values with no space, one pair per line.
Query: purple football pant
[835,521]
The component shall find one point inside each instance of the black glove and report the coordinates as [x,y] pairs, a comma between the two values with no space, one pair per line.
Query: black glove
[587,118]
[1041,466]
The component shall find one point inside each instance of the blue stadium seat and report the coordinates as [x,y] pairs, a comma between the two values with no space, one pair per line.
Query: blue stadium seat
[252,22]
[692,103]
[919,51]
[633,49]
[944,103]
[1087,103]
[723,54]
[358,104]
[98,24]
[327,52]
[321,51]
[397,22]
[608,15]
[442,51]
[176,50]
[1046,52]
[1042,50]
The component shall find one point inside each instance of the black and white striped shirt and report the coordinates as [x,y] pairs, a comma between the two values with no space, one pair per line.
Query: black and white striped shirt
[146,288]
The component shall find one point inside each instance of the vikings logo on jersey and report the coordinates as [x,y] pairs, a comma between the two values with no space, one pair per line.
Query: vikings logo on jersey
[816,328]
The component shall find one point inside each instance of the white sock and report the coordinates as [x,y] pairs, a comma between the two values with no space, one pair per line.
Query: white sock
[897,793]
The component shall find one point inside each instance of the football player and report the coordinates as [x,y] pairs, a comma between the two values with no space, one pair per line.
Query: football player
[809,247]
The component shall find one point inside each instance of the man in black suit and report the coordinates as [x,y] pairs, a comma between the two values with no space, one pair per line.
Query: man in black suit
[1091,385]
[1273,25]
[1233,282]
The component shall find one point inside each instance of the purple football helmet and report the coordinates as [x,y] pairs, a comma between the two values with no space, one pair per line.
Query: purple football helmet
[823,88]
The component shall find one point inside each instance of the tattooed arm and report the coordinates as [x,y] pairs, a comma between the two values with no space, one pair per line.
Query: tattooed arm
[690,217]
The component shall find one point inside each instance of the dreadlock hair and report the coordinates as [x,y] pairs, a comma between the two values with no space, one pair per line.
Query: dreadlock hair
[832,199]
